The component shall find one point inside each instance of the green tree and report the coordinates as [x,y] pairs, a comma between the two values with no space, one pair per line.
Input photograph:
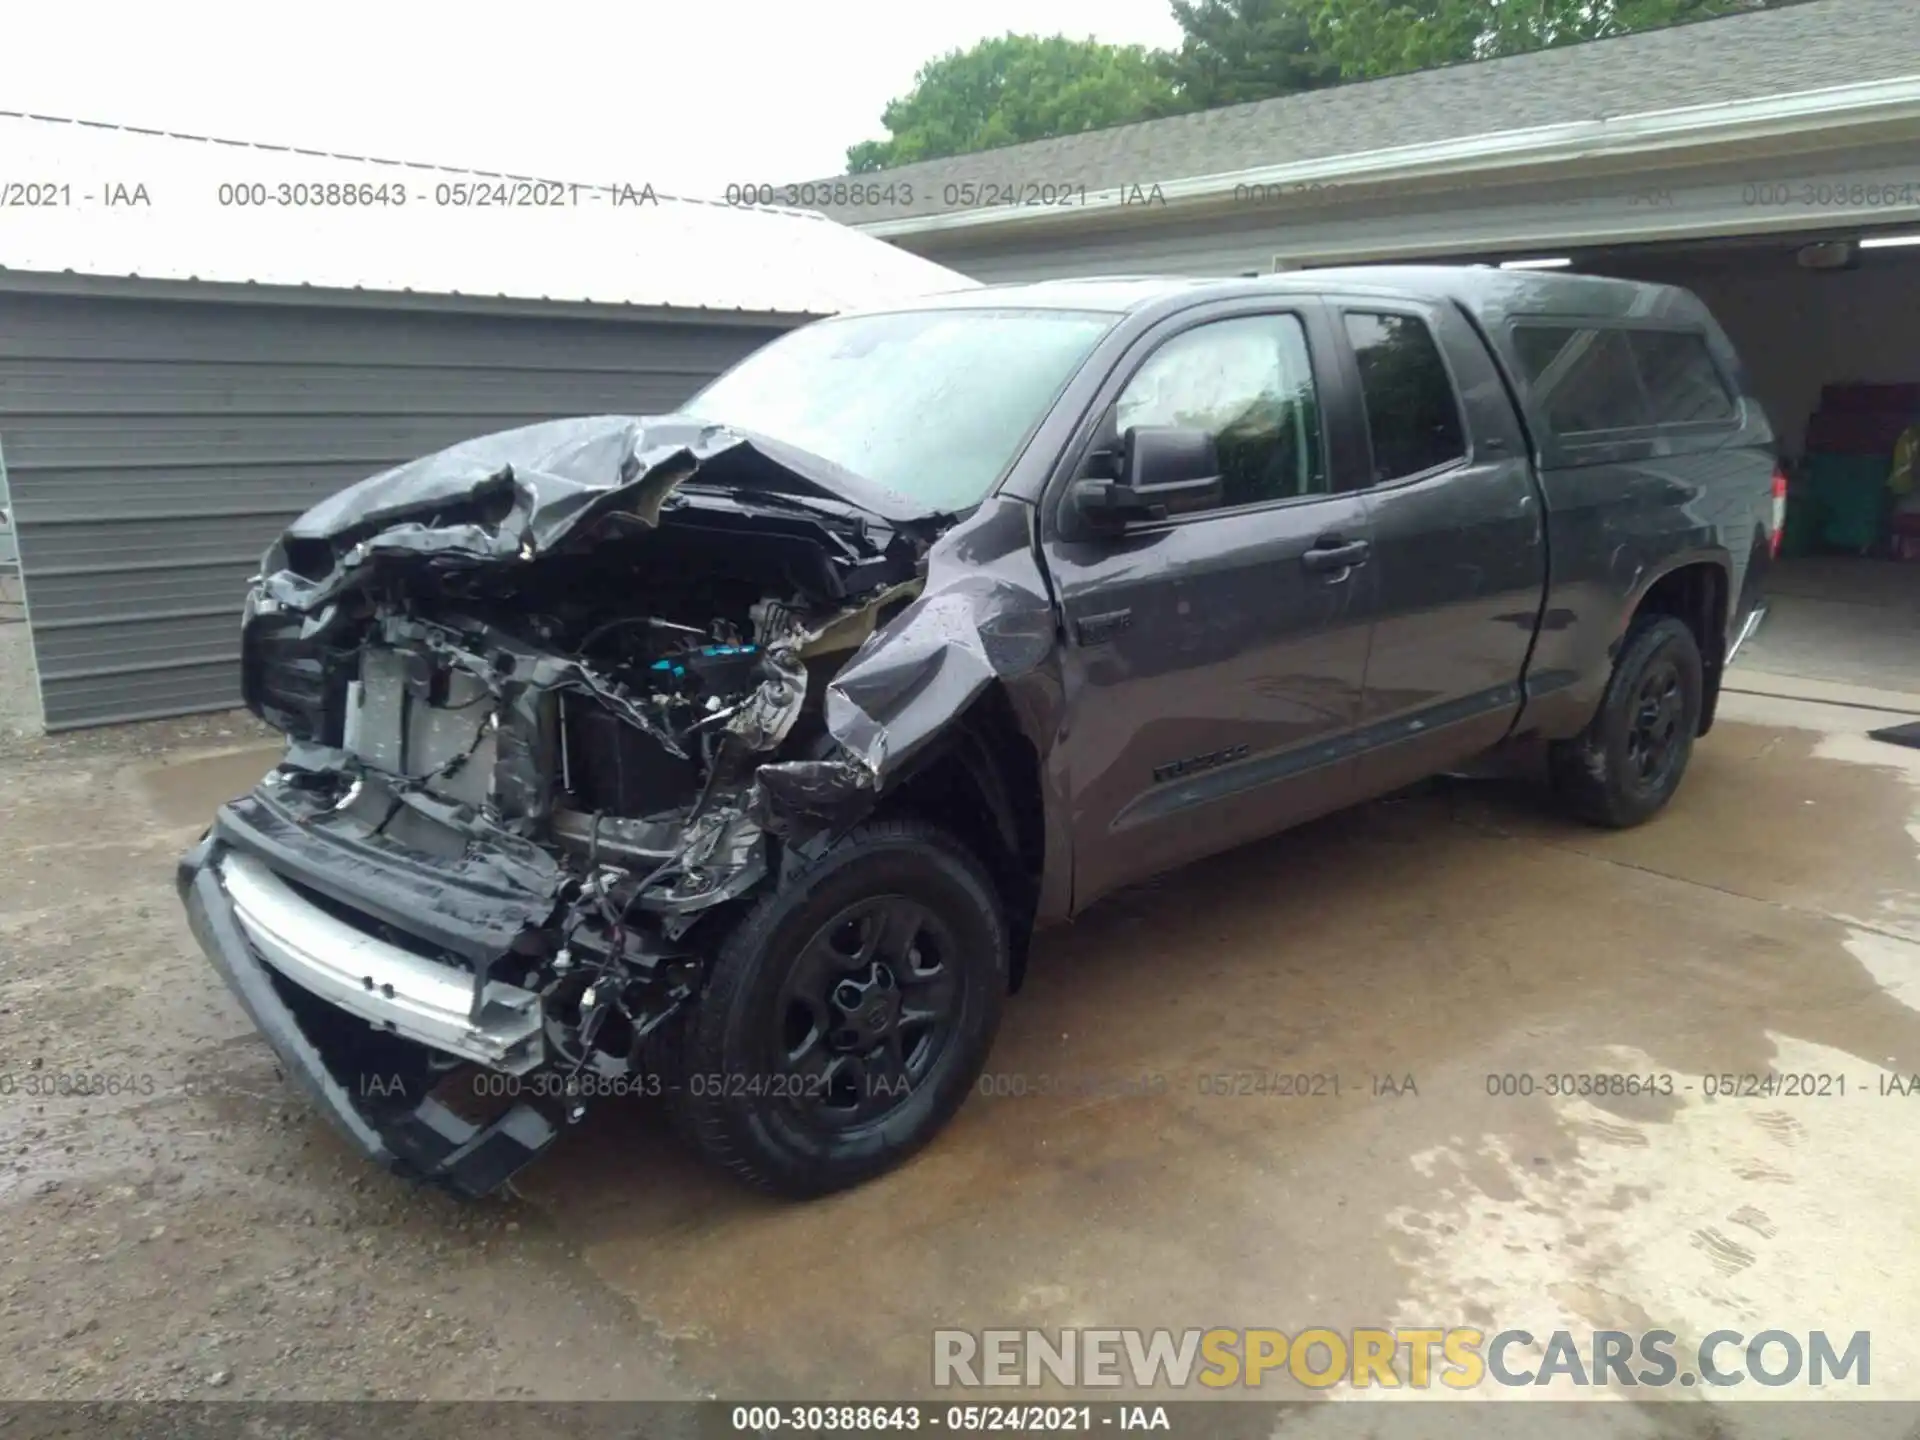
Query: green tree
[1015,88]
[1234,51]
[1027,87]
[1369,38]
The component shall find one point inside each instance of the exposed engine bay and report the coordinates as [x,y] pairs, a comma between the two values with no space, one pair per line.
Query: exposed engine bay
[543,751]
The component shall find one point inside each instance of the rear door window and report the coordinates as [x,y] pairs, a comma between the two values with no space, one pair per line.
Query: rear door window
[1413,415]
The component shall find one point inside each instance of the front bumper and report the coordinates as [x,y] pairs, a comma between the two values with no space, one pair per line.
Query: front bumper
[272,947]
[391,988]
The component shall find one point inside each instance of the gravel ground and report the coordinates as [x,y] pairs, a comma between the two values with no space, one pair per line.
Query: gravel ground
[194,1231]
[197,1232]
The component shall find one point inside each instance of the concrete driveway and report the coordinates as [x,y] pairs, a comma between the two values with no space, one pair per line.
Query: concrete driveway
[1770,922]
[203,1233]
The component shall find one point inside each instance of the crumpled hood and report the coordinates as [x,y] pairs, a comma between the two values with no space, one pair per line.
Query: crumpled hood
[539,483]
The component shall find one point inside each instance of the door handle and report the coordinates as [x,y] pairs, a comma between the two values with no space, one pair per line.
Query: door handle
[1330,552]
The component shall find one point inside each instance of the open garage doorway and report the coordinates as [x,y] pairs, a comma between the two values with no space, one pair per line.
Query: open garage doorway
[1830,331]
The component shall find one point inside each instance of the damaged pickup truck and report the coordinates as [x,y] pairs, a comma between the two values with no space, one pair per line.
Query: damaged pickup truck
[731,756]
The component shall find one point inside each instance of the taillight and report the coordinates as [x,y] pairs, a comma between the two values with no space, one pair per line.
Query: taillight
[1777,521]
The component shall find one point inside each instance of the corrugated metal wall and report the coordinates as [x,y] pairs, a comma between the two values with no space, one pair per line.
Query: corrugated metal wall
[9,556]
[155,447]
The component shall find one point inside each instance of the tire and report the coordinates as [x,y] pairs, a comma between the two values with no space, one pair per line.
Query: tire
[781,984]
[1624,767]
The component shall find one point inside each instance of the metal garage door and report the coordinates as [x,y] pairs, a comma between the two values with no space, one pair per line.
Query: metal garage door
[155,447]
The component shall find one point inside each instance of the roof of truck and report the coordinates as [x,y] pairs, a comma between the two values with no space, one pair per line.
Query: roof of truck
[1490,294]
[1485,289]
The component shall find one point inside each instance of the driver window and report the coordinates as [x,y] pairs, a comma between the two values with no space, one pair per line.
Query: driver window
[1247,383]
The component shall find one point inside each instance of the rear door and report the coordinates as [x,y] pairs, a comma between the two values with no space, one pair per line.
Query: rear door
[1459,548]
[1214,660]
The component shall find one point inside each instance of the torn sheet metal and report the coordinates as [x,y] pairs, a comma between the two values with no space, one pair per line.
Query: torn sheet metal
[521,494]
[910,681]
[722,851]
[793,796]
[474,905]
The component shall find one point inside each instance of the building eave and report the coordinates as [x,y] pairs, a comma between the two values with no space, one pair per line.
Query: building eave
[1802,117]
[148,287]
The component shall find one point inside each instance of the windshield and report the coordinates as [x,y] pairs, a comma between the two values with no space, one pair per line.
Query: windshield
[933,405]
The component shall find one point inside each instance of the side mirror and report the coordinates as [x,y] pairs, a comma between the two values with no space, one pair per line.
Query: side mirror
[1164,470]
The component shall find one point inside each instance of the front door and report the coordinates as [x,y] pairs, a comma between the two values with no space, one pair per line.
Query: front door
[1214,660]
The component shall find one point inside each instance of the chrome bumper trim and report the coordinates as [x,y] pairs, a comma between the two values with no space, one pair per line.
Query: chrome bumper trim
[391,988]
[1754,617]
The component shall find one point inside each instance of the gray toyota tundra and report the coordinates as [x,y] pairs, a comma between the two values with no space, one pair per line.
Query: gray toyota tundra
[730,757]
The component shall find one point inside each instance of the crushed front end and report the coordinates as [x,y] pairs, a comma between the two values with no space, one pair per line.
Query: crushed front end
[554,701]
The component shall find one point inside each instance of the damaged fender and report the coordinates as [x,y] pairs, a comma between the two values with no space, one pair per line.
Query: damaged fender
[986,622]
[904,686]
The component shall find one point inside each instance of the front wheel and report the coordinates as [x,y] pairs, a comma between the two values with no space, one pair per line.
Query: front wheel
[1628,762]
[846,1015]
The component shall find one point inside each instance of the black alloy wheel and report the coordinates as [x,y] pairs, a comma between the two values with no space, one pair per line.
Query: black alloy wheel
[868,1007]
[846,1015]
[1659,713]
[1625,766]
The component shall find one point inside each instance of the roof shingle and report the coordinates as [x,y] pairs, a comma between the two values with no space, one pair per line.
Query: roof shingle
[1810,46]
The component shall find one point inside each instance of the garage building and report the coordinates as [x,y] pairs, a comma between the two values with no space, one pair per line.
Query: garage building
[1768,161]
[199,339]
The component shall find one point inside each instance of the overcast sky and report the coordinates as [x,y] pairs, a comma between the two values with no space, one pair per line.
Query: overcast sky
[689,95]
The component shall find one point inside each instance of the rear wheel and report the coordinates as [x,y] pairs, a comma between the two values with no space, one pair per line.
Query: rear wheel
[1630,759]
[847,1014]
